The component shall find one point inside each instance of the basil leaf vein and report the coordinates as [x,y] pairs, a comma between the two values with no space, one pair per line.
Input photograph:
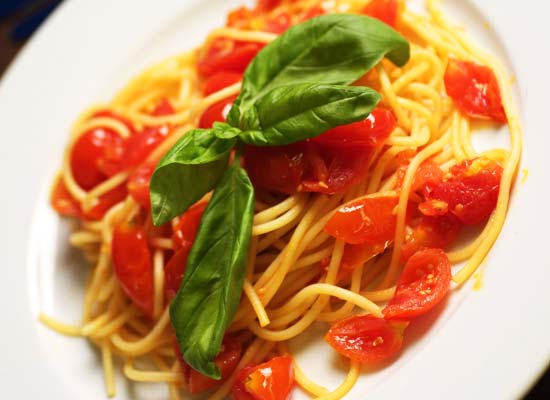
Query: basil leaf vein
[211,287]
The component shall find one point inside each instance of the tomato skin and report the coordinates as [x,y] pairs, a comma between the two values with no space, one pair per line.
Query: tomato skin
[436,232]
[163,108]
[62,201]
[139,182]
[220,81]
[367,220]
[267,5]
[272,380]
[383,10]
[313,12]
[174,271]
[188,226]
[105,202]
[140,145]
[133,266]
[366,339]
[371,132]
[427,176]
[216,113]
[227,55]
[471,192]
[279,23]
[92,155]
[423,284]
[474,89]
[358,254]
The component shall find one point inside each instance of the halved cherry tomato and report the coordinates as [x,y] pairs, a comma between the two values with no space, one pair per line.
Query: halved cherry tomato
[105,202]
[383,10]
[133,266]
[227,55]
[216,113]
[427,176]
[272,380]
[188,226]
[471,192]
[92,155]
[370,219]
[313,12]
[138,184]
[436,232]
[366,339]
[358,254]
[423,284]
[278,24]
[226,361]
[267,5]
[163,108]
[174,271]
[371,132]
[62,201]
[220,81]
[140,145]
[474,89]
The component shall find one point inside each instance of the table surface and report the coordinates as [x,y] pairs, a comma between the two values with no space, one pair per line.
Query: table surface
[9,47]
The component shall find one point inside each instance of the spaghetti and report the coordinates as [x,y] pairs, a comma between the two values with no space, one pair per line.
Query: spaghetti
[294,275]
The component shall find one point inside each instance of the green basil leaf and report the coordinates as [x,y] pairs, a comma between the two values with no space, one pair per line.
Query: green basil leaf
[289,114]
[225,131]
[333,48]
[187,172]
[212,285]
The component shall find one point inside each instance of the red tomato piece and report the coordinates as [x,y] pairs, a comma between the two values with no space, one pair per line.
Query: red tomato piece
[220,81]
[432,208]
[133,266]
[227,55]
[427,176]
[383,10]
[279,23]
[472,190]
[474,89]
[226,361]
[138,184]
[188,226]
[93,154]
[216,113]
[239,18]
[358,254]
[371,132]
[111,114]
[62,201]
[370,219]
[267,5]
[163,108]
[366,339]
[140,145]
[174,271]
[272,380]
[313,12]
[436,232]
[423,284]
[105,202]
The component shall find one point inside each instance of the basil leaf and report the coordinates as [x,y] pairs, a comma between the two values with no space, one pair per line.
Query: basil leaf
[225,131]
[289,114]
[212,285]
[187,172]
[333,48]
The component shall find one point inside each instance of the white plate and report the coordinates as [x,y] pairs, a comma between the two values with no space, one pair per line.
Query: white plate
[487,344]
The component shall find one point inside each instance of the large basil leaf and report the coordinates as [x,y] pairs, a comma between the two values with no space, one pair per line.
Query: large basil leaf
[334,48]
[289,114]
[187,172]
[212,285]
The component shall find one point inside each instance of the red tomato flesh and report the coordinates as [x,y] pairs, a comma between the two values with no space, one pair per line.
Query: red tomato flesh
[173,273]
[366,339]
[370,219]
[383,10]
[140,145]
[216,113]
[220,81]
[105,202]
[474,89]
[272,380]
[437,231]
[227,55]
[188,226]
[62,201]
[133,266]
[139,182]
[424,283]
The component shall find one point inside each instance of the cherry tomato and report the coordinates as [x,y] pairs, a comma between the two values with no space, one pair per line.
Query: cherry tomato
[366,339]
[226,361]
[272,380]
[423,284]
[369,219]
[474,89]
[216,113]
[371,132]
[239,18]
[227,55]
[138,184]
[133,266]
[105,202]
[267,5]
[140,145]
[383,10]
[313,12]
[62,201]
[427,176]
[163,108]
[174,271]
[111,114]
[436,232]
[188,226]
[92,155]
[220,81]
[278,24]
[356,255]
[471,192]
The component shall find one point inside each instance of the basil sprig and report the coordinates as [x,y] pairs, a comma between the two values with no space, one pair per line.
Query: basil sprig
[295,89]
